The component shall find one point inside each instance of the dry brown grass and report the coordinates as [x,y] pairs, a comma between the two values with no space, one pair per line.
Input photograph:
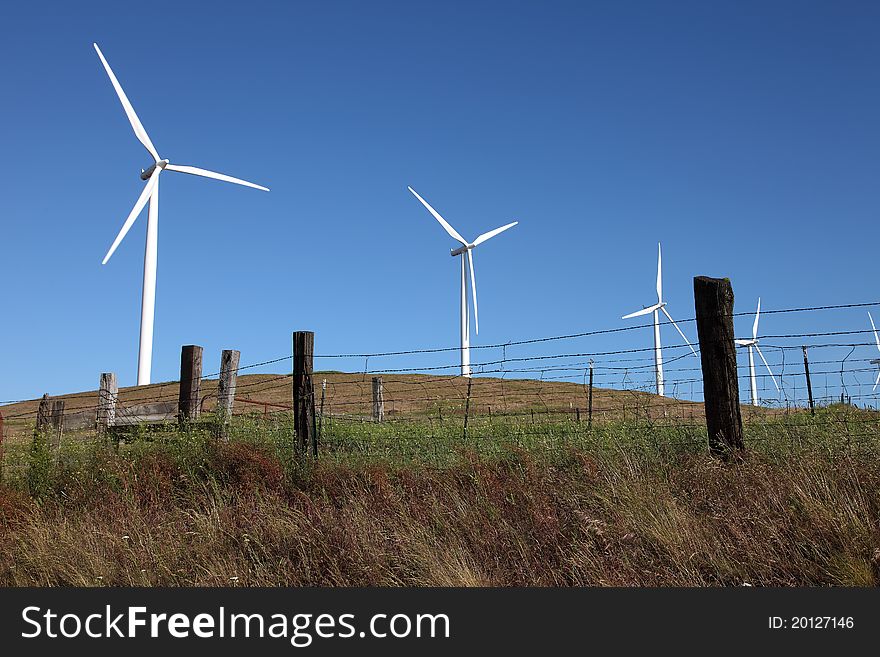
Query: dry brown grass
[240,514]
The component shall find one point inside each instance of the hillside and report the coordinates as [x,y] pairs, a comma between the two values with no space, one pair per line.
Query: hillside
[406,396]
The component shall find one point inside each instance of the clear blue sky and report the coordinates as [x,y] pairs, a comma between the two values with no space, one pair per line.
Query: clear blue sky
[743,135]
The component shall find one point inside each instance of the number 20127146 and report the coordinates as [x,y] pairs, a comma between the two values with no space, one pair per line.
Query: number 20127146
[811,622]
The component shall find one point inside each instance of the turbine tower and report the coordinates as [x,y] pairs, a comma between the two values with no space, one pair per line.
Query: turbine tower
[875,361]
[753,345]
[655,309]
[465,251]
[151,193]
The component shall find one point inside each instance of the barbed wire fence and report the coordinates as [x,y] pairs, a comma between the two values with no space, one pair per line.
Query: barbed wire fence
[552,386]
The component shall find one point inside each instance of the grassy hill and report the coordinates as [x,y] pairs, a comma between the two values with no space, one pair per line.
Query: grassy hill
[406,396]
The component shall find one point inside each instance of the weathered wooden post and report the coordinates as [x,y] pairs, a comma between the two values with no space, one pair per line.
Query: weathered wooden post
[108,393]
[50,422]
[44,414]
[378,400]
[809,384]
[40,453]
[188,406]
[229,360]
[57,422]
[304,426]
[713,302]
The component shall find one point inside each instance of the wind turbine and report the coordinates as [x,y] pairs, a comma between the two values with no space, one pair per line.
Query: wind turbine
[151,193]
[465,251]
[655,309]
[875,361]
[753,344]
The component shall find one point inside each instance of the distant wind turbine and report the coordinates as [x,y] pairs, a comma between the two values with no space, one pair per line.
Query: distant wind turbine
[655,309]
[465,251]
[753,344]
[151,193]
[875,361]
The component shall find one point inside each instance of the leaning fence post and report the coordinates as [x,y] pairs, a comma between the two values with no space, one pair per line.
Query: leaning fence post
[190,383]
[44,414]
[304,426]
[713,302]
[108,393]
[809,385]
[378,400]
[226,390]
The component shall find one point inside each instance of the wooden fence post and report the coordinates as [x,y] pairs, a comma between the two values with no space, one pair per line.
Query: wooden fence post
[229,360]
[304,426]
[108,393]
[378,400]
[713,302]
[57,421]
[809,384]
[188,406]
[50,422]
[44,414]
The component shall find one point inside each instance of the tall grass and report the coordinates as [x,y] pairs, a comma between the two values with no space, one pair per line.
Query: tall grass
[553,504]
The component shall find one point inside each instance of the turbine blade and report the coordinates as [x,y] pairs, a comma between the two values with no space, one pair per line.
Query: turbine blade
[643,311]
[449,229]
[680,332]
[876,382]
[876,337]
[470,257]
[139,130]
[761,354]
[195,171]
[135,211]
[659,275]
[755,325]
[743,343]
[492,233]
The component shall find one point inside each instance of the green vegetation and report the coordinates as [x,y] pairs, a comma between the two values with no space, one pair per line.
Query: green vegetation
[514,502]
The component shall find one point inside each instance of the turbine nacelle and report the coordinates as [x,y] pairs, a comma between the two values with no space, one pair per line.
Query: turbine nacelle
[146,173]
[461,249]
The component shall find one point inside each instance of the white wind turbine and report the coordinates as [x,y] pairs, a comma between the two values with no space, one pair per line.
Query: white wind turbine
[465,251]
[655,309]
[151,193]
[875,361]
[753,345]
